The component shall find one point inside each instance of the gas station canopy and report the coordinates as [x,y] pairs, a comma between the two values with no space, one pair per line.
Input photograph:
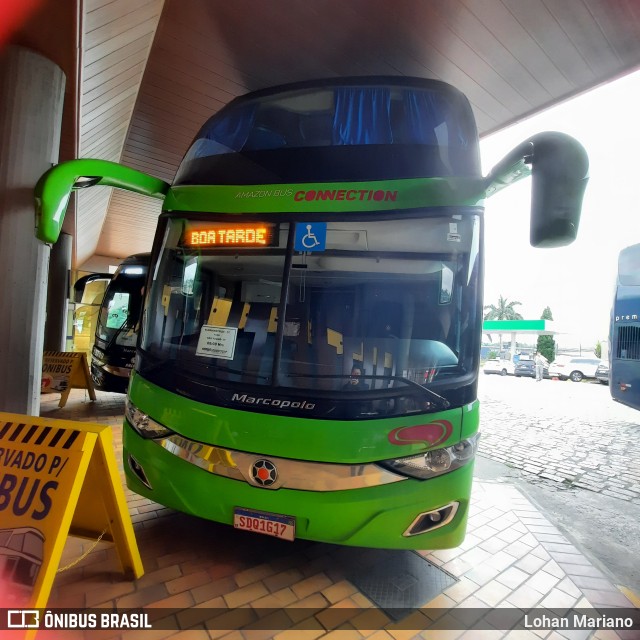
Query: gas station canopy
[538,327]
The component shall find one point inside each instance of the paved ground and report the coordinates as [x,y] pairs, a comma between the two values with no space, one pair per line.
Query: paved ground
[213,582]
[574,451]
[570,434]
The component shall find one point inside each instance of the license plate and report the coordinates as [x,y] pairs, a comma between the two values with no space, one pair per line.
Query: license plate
[270,524]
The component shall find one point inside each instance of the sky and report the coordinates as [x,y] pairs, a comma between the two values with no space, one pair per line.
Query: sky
[577,281]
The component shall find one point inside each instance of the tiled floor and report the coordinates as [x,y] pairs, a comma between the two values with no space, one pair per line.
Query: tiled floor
[512,557]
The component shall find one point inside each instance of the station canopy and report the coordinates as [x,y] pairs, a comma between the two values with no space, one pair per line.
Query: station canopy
[538,327]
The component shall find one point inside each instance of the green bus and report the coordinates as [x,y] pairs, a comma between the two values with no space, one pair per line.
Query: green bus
[308,358]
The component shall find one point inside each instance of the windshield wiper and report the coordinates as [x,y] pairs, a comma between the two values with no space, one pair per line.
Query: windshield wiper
[118,331]
[416,385]
[444,403]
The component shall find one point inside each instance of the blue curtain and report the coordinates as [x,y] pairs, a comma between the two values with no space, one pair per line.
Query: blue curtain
[232,130]
[424,112]
[362,116]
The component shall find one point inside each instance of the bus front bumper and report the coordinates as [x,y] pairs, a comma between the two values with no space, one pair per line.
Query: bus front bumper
[384,516]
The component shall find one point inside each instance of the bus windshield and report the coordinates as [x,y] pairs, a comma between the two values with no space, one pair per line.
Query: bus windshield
[317,131]
[395,297]
[624,332]
[629,266]
[121,305]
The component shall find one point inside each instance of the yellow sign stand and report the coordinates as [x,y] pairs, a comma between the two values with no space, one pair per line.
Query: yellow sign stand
[57,478]
[63,371]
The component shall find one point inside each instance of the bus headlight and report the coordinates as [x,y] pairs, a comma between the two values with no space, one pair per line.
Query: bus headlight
[436,462]
[142,423]
[98,357]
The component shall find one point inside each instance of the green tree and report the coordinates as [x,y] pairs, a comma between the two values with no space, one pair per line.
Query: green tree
[502,311]
[546,344]
[598,349]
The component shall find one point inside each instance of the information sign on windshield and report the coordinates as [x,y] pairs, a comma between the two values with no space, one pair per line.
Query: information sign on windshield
[258,234]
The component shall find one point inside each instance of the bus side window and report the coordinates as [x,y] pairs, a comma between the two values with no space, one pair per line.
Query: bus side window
[316,130]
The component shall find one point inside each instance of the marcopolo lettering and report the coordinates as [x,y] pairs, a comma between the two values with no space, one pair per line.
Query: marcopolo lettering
[276,403]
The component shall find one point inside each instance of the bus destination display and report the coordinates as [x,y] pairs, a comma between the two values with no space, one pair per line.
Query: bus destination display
[257,234]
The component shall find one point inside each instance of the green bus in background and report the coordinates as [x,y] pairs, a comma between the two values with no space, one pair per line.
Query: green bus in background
[308,358]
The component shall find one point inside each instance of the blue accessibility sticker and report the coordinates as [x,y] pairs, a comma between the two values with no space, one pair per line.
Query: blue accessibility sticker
[310,236]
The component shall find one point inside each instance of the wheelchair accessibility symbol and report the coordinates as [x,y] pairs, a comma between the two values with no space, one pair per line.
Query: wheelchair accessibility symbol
[309,240]
[310,236]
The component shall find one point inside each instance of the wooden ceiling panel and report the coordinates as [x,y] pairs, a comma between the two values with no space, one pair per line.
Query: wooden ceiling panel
[591,45]
[133,225]
[619,21]
[104,20]
[91,205]
[544,28]
[193,104]
[510,57]
[483,43]
[92,131]
[189,73]
[113,63]
[125,37]
[525,50]
[116,38]
[113,84]
[148,123]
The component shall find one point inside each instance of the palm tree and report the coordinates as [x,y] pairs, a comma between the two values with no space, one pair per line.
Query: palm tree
[502,311]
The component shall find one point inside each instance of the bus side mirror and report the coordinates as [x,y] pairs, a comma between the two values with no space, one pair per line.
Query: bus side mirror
[559,168]
[559,173]
[81,284]
[53,189]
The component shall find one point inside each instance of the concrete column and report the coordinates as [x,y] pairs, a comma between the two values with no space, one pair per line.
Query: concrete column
[55,330]
[31,100]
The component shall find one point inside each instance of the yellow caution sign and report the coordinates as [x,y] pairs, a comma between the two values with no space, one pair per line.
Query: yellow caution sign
[57,478]
[63,371]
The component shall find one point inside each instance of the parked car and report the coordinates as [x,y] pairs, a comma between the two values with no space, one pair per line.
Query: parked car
[499,367]
[602,373]
[526,368]
[574,368]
